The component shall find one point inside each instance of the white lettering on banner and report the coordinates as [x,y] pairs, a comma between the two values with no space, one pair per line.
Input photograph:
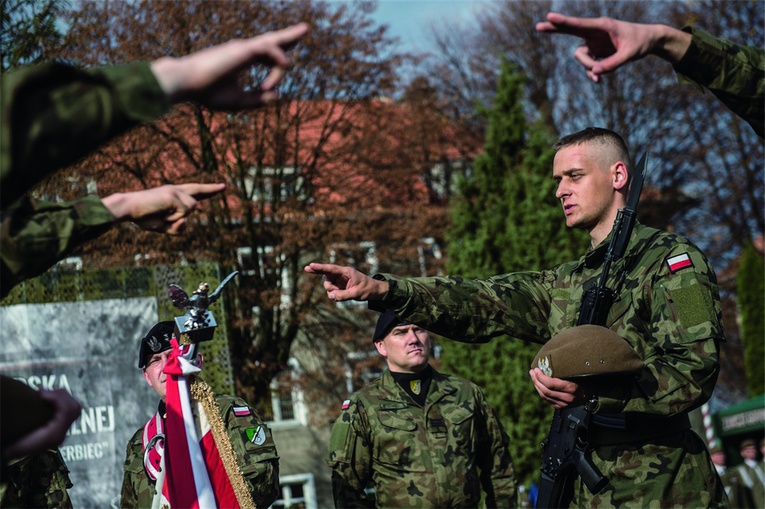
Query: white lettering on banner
[745,419]
[98,419]
[80,452]
[46,382]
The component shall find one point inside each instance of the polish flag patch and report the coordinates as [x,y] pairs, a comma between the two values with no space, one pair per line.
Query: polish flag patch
[679,262]
[241,411]
[346,404]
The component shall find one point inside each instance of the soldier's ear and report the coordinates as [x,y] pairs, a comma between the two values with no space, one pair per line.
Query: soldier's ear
[380,345]
[146,377]
[621,175]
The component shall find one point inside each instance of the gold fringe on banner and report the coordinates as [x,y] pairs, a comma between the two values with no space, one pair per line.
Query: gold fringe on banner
[201,392]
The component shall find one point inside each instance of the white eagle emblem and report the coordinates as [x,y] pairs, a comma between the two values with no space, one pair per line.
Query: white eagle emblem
[544,365]
[154,344]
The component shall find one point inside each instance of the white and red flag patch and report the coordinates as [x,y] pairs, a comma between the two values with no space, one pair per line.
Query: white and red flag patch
[241,411]
[346,404]
[678,262]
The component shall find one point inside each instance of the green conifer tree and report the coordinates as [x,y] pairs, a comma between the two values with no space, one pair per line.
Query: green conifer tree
[506,218]
[751,297]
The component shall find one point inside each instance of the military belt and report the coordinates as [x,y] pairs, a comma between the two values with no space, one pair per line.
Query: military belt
[636,428]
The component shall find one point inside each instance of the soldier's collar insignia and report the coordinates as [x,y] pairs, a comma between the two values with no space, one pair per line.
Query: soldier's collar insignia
[154,344]
[415,386]
[544,364]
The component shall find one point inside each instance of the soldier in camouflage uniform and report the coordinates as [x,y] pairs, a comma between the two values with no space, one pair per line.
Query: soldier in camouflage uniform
[35,481]
[54,114]
[732,72]
[421,438]
[752,472]
[250,438]
[739,495]
[667,308]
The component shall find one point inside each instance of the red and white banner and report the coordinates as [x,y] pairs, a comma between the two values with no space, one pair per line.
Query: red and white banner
[190,468]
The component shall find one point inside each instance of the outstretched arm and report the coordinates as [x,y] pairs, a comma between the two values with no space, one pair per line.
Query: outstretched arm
[211,76]
[162,209]
[347,283]
[610,43]
[60,113]
[35,235]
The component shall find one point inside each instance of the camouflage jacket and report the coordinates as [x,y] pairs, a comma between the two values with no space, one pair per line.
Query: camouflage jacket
[440,455]
[754,479]
[667,308]
[52,115]
[739,494]
[259,464]
[39,480]
[732,72]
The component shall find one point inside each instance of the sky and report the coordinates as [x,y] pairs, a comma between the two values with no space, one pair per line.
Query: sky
[410,20]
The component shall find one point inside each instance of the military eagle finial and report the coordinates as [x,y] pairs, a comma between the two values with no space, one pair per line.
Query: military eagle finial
[196,305]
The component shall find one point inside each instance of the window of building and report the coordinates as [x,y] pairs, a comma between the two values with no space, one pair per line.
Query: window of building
[266,261]
[287,404]
[275,184]
[361,368]
[440,179]
[298,492]
[429,257]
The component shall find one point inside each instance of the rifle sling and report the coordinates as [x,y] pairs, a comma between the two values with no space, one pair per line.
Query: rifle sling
[638,429]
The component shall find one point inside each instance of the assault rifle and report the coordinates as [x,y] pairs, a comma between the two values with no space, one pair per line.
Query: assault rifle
[564,450]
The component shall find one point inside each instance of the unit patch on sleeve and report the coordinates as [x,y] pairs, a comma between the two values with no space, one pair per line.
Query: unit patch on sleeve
[678,262]
[256,435]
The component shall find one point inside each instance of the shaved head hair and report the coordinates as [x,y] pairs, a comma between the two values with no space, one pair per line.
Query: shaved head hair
[614,147]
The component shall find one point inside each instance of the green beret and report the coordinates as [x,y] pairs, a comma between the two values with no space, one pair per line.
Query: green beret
[587,350]
[749,442]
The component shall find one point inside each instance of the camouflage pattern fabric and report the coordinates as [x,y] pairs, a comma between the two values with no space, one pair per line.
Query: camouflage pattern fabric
[735,74]
[739,495]
[56,114]
[667,308]
[437,456]
[35,234]
[53,114]
[36,481]
[753,480]
[259,464]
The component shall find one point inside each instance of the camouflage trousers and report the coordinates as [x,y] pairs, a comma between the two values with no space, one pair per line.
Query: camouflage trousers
[671,471]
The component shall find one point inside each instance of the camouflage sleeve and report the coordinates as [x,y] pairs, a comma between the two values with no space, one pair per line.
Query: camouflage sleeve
[56,494]
[53,114]
[732,72]
[38,480]
[34,235]
[134,478]
[350,458]
[494,459]
[472,310]
[254,446]
[682,351]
